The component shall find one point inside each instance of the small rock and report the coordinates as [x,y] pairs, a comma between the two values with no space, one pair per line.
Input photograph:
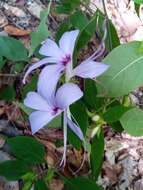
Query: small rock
[134,153]
[8,185]
[56,184]
[138,185]
[14,10]
[3,33]
[4,156]
[140,167]
[134,99]
[7,129]
[3,20]
[2,141]
[32,6]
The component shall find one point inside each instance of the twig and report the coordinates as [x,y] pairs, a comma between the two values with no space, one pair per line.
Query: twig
[8,75]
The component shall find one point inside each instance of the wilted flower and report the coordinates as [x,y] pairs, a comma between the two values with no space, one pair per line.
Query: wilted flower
[62,56]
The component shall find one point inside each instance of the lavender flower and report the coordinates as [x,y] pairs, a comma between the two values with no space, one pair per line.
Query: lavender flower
[62,56]
[49,104]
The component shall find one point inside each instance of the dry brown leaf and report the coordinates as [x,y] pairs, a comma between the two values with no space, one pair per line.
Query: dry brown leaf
[51,134]
[14,31]
[56,184]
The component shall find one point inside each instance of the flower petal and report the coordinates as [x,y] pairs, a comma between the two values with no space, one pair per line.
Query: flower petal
[63,161]
[37,65]
[67,41]
[35,101]
[39,119]
[51,49]
[75,129]
[47,82]
[67,94]
[90,69]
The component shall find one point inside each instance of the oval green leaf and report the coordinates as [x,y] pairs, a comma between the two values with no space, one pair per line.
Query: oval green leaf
[80,183]
[12,49]
[27,149]
[132,122]
[97,154]
[125,72]
[13,169]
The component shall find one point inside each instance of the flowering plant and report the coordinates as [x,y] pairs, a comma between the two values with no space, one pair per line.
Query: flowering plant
[47,101]
[85,86]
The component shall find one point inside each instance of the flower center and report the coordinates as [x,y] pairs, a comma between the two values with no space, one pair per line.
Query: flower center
[66,60]
[55,110]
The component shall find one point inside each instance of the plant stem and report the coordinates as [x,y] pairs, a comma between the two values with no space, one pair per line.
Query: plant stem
[107,24]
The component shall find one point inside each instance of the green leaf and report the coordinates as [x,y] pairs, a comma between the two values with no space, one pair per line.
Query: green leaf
[62,29]
[31,86]
[79,20]
[90,95]
[24,108]
[17,68]
[56,122]
[67,6]
[12,49]
[124,73]
[13,169]
[27,185]
[2,62]
[138,1]
[40,185]
[42,31]
[50,174]
[117,127]
[76,20]
[66,9]
[28,180]
[86,33]
[112,39]
[27,149]
[97,154]
[132,122]
[78,111]
[113,114]
[7,93]
[80,183]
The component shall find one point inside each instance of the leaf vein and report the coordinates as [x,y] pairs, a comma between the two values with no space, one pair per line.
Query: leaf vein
[122,70]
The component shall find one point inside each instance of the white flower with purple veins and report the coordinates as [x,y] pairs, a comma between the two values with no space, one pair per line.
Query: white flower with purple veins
[49,104]
[62,55]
